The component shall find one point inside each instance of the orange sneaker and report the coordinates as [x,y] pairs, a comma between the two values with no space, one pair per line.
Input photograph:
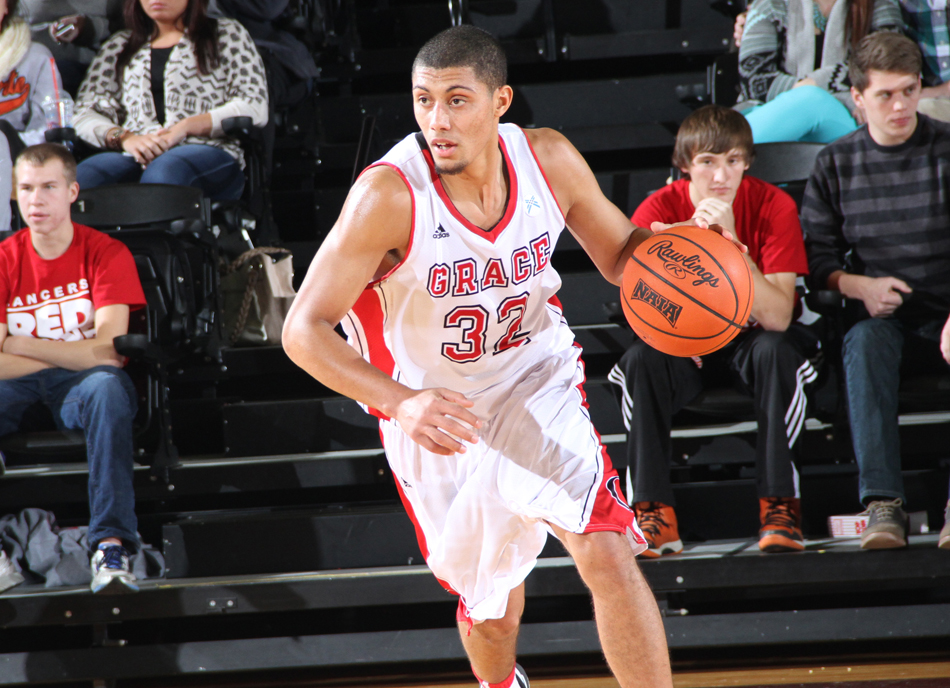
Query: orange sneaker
[781,530]
[658,523]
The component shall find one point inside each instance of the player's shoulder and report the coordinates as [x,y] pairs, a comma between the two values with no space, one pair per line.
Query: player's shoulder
[548,144]
[383,184]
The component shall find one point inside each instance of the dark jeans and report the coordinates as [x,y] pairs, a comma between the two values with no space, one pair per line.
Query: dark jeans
[875,351]
[210,169]
[652,386]
[101,402]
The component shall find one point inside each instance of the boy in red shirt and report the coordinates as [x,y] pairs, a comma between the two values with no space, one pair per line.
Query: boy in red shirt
[713,150]
[66,291]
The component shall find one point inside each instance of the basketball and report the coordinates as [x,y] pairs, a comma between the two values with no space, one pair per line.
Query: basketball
[687,291]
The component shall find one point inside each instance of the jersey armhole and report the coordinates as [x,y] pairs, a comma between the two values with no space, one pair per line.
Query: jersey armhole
[412,222]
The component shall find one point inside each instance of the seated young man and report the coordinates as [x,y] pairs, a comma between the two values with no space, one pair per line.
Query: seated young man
[875,215]
[713,150]
[65,292]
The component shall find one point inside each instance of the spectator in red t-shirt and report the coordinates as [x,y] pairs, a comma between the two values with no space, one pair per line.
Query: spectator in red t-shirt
[713,150]
[65,292]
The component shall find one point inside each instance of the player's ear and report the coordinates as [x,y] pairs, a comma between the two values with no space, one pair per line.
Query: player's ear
[502,99]
[73,192]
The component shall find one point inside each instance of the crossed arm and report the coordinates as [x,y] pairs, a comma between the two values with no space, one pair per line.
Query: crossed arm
[21,356]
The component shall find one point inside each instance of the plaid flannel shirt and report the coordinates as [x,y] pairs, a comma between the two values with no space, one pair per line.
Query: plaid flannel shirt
[926,22]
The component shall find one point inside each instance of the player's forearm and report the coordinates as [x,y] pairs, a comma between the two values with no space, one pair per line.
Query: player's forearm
[81,355]
[637,237]
[13,366]
[328,358]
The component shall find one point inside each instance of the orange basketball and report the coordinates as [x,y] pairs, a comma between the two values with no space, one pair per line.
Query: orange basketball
[687,291]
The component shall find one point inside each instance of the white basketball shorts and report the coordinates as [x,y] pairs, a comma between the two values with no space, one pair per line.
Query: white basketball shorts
[481,516]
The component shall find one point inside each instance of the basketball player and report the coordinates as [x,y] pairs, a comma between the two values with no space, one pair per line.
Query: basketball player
[439,269]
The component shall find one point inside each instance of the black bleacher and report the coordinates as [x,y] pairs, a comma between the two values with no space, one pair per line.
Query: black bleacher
[288,550]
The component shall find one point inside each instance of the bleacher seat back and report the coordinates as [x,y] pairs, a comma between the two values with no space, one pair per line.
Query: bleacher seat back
[138,205]
[784,161]
[787,164]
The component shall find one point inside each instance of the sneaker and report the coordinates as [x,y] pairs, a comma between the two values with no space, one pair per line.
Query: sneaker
[887,525]
[781,519]
[111,573]
[9,576]
[658,523]
[943,542]
[521,678]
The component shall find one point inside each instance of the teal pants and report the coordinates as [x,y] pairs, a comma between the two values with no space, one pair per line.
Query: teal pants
[806,113]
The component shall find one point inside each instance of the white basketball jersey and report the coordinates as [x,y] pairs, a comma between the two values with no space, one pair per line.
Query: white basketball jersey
[467,309]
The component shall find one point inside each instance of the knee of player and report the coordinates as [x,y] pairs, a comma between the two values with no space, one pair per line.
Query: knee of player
[497,630]
[601,556]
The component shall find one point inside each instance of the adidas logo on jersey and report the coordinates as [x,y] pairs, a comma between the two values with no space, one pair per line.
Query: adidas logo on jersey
[440,233]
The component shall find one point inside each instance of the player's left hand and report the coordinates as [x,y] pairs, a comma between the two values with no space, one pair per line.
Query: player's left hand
[945,341]
[702,223]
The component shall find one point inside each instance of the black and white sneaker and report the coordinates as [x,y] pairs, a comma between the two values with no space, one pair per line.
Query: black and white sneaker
[521,678]
[111,572]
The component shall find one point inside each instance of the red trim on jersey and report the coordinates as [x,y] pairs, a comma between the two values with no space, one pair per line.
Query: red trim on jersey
[610,512]
[495,231]
[546,180]
[369,312]
[412,224]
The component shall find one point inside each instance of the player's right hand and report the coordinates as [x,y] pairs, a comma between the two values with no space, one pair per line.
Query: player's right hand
[702,223]
[882,295]
[438,420]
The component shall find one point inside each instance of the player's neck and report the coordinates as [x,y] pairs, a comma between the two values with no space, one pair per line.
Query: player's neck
[51,245]
[480,191]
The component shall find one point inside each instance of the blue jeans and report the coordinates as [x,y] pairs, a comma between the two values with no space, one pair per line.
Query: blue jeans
[873,352]
[210,169]
[806,113]
[101,402]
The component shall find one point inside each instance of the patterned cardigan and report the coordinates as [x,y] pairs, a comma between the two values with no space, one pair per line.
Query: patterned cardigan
[236,87]
[774,55]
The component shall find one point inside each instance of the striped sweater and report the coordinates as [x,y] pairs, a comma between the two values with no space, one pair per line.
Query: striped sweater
[882,211]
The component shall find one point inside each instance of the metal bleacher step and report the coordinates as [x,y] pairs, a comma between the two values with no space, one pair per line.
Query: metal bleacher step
[799,598]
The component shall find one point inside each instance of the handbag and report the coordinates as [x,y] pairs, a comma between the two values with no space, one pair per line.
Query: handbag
[257,292]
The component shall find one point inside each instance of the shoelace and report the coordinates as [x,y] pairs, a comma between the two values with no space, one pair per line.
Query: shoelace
[884,510]
[651,519]
[112,557]
[780,514]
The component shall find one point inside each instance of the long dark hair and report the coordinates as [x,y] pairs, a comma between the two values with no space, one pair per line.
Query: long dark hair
[199,27]
[859,20]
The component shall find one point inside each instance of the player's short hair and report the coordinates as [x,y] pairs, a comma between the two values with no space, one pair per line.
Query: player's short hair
[466,46]
[884,51]
[712,129]
[42,153]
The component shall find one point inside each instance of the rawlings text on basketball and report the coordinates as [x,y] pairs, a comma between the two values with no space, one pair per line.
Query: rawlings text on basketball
[679,264]
[668,309]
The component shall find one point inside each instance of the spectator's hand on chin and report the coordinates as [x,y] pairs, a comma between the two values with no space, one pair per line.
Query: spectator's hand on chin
[145,147]
[807,81]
